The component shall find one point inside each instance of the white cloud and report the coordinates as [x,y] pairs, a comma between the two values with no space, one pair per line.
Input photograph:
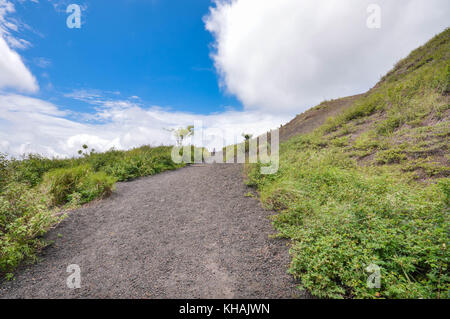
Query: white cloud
[288,55]
[17,43]
[42,62]
[13,72]
[30,125]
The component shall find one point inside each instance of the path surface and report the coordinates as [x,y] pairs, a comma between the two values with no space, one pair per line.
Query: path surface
[189,233]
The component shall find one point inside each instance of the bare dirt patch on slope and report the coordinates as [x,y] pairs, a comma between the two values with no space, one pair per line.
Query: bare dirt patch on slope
[315,117]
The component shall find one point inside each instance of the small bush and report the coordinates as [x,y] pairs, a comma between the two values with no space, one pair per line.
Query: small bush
[363,108]
[63,183]
[392,156]
[4,171]
[389,125]
[24,217]
[32,167]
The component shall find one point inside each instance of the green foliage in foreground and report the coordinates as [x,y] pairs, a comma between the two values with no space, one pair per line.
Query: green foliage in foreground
[24,217]
[34,189]
[371,186]
[342,218]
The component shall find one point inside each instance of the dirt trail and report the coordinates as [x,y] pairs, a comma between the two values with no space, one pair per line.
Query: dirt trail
[189,233]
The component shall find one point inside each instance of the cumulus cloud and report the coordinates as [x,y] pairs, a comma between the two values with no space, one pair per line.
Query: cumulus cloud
[13,72]
[288,55]
[30,125]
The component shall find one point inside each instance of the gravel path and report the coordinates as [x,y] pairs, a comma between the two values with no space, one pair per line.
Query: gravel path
[189,233]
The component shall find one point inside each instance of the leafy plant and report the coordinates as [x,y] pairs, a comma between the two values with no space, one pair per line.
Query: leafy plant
[24,217]
[63,183]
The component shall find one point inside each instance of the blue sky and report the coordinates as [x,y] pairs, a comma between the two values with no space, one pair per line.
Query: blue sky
[138,48]
[137,68]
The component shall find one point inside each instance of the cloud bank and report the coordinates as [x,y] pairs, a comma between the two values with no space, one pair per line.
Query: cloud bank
[288,55]
[30,125]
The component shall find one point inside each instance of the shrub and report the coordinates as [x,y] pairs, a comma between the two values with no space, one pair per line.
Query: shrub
[389,125]
[392,156]
[100,160]
[32,167]
[362,108]
[4,171]
[62,184]
[24,217]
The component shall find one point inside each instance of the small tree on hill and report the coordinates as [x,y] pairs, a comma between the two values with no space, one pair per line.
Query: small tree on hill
[85,151]
[182,133]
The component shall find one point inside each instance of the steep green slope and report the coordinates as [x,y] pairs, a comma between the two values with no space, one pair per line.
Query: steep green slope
[370,187]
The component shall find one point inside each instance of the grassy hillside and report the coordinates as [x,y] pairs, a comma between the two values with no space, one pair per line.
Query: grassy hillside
[371,186]
[34,190]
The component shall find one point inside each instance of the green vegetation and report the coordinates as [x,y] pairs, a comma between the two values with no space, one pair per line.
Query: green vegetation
[78,184]
[371,186]
[34,190]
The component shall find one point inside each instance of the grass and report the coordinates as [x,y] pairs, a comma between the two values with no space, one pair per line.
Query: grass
[34,190]
[371,186]
[80,184]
